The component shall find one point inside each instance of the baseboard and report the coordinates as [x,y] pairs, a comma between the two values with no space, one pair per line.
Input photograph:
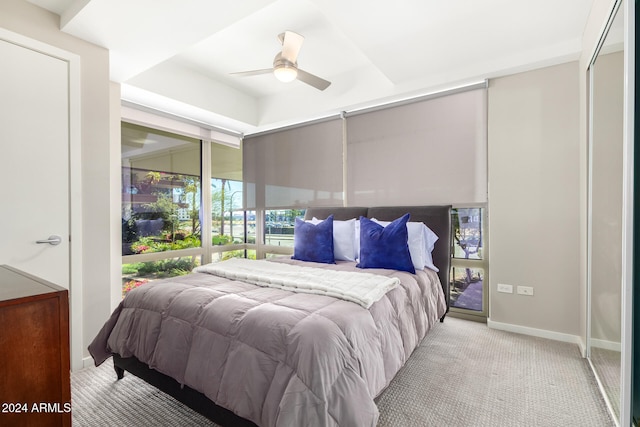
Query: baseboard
[541,333]
[87,362]
[583,347]
[606,345]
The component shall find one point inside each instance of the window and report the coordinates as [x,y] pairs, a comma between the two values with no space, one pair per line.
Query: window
[160,191]
[346,161]
[279,226]
[467,288]
[229,232]
[468,291]
[228,222]
[163,217]
[245,201]
[467,233]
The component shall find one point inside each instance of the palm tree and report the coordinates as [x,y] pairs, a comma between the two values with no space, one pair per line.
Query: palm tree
[191,185]
[218,199]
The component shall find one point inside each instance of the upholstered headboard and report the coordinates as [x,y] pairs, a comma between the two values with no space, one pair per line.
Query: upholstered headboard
[437,218]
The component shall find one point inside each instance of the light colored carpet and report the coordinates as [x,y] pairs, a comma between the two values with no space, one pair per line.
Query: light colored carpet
[463,374]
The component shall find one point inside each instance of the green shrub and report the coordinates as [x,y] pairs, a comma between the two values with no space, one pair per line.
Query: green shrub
[167,267]
[131,268]
[150,244]
[221,240]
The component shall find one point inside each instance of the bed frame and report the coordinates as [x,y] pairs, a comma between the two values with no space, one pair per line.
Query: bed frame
[438,218]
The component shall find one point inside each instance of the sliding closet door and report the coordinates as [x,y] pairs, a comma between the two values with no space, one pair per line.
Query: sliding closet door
[635,327]
[610,214]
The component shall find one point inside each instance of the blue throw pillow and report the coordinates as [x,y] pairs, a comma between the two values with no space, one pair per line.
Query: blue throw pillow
[313,242]
[385,247]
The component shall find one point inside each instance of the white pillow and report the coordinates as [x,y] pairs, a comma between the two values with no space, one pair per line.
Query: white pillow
[421,242]
[357,243]
[430,239]
[344,235]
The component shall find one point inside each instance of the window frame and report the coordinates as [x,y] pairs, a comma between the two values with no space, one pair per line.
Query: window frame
[482,264]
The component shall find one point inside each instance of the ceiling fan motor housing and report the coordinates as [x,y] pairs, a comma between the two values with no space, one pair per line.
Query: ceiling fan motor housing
[284,70]
[280,62]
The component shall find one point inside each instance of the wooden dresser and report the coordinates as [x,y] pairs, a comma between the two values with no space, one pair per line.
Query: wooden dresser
[35,387]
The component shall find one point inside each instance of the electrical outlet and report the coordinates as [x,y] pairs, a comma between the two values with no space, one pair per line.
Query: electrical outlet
[507,289]
[525,290]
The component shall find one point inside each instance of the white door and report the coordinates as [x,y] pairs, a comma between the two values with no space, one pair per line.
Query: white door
[34,162]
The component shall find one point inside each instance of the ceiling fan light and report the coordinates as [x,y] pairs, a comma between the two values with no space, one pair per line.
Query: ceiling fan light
[285,74]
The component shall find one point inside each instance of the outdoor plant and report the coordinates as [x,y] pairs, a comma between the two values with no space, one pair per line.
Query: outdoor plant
[131,268]
[142,245]
[163,208]
[132,284]
[237,254]
[187,242]
[129,230]
[221,240]
[167,267]
[150,244]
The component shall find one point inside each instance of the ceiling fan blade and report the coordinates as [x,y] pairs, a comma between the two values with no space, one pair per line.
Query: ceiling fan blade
[310,79]
[254,72]
[291,44]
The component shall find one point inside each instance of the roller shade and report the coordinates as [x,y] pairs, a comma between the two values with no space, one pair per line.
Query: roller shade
[226,162]
[149,149]
[432,151]
[295,167]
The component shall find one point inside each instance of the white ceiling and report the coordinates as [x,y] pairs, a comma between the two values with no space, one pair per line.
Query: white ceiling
[177,56]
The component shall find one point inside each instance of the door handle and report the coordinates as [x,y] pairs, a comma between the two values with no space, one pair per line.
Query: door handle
[52,240]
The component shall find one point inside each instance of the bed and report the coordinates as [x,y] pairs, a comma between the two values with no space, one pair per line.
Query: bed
[245,354]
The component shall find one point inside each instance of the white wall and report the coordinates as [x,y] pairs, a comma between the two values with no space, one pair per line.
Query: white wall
[534,199]
[33,22]
[115,182]
[570,298]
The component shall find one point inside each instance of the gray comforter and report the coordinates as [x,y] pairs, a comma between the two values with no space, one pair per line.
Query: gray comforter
[275,357]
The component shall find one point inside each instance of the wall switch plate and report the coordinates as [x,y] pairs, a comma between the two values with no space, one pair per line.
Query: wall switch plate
[507,289]
[525,290]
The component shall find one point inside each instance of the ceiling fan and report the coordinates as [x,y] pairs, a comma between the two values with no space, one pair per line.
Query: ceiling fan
[285,66]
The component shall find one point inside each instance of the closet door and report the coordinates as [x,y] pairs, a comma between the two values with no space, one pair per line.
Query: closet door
[34,164]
